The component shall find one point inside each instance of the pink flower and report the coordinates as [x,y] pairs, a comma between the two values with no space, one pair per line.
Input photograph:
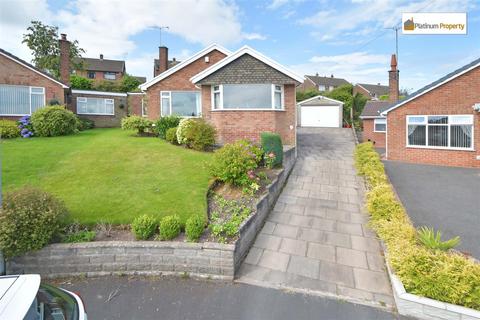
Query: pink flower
[271,155]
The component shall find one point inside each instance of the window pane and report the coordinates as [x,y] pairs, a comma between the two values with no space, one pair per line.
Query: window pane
[109,75]
[438,136]
[94,106]
[247,96]
[438,119]
[165,106]
[461,136]
[14,100]
[417,135]
[461,119]
[109,107]
[278,100]
[382,127]
[216,100]
[37,101]
[37,90]
[416,119]
[185,103]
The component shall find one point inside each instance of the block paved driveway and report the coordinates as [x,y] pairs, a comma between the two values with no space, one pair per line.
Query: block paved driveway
[316,239]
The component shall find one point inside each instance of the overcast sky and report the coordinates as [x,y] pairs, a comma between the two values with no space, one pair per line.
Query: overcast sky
[347,38]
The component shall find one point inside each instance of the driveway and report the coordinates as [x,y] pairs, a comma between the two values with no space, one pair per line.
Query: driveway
[316,238]
[445,198]
[142,298]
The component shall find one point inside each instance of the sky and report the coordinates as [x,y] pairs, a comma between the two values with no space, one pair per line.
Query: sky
[347,38]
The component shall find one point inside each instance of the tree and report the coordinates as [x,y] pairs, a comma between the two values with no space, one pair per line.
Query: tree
[343,93]
[307,94]
[42,40]
[129,83]
[80,83]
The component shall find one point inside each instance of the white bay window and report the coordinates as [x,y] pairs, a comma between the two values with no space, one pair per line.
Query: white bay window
[20,100]
[95,106]
[247,97]
[180,103]
[440,131]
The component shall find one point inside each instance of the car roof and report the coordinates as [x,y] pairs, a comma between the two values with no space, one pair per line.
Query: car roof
[17,294]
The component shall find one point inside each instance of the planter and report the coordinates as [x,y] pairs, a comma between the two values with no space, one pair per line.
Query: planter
[207,259]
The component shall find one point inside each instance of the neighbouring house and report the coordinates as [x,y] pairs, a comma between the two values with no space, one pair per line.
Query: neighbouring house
[162,63]
[440,123]
[375,124]
[25,88]
[321,83]
[101,69]
[320,111]
[371,91]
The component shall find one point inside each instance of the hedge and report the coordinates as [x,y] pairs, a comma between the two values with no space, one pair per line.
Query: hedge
[446,276]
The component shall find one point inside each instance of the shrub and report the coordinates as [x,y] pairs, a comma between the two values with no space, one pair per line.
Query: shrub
[85,124]
[272,143]
[194,227]
[28,221]
[171,135]
[433,240]
[9,129]
[80,236]
[80,83]
[183,127]
[170,227]
[136,123]
[166,123]
[54,121]
[144,227]
[199,135]
[232,163]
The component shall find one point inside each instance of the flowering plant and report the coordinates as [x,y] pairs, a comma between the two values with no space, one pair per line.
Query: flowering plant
[25,126]
[269,159]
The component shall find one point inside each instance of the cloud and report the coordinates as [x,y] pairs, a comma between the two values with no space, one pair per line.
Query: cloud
[275,4]
[254,36]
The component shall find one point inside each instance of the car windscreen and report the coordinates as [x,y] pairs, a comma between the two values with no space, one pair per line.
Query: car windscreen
[52,304]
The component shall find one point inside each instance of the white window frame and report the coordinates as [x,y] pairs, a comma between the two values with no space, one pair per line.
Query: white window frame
[85,99]
[30,100]
[272,99]
[144,114]
[449,124]
[114,74]
[169,95]
[322,87]
[379,121]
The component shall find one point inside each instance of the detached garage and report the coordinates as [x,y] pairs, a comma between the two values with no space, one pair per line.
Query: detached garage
[320,111]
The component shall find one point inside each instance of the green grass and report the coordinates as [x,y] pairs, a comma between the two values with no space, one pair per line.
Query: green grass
[109,174]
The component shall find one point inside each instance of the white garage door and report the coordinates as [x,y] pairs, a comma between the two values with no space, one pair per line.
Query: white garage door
[321,116]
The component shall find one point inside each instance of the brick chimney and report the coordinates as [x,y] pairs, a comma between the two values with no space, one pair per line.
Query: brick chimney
[393,78]
[101,56]
[162,59]
[64,59]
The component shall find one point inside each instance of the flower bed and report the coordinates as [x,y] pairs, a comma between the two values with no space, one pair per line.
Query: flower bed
[446,276]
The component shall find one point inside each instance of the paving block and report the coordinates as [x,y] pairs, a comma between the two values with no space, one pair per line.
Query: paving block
[365,244]
[283,230]
[376,262]
[304,267]
[253,256]
[268,227]
[313,211]
[300,221]
[336,273]
[279,217]
[349,228]
[293,247]
[321,251]
[324,224]
[274,260]
[269,242]
[355,293]
[337,239]
[372,281]
[353,258]
[294,209]
[312,235]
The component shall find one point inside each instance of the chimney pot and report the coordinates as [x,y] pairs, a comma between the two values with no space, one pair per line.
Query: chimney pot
[316,74]
[101,56]
[331,76]
[64,36]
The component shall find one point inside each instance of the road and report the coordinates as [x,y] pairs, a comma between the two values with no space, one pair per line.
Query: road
[176,298]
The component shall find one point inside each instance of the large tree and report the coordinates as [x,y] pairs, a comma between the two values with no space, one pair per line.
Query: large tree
[42,40]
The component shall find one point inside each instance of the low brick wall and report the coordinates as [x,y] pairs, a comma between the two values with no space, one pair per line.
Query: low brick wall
[208,259]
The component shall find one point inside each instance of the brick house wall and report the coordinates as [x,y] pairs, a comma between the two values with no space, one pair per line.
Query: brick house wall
[232,125]
[454,97]
[12,73]
[99,75]
[179,81]
[362,91]
[378,138]
[306,85]
[134,101]
[103,121]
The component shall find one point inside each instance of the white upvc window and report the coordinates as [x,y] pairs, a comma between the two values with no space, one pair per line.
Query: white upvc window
[321,87]
[180,103]
[109,75]
[95,106]
[440,132]
[380,125]
[144,108]
[248,97]
[20,100]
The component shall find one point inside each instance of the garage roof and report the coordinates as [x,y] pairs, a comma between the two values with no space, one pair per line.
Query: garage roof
[320,101]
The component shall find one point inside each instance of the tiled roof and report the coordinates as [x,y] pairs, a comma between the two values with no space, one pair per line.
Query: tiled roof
[320,101]
[94,64]
[171,63]
[373,108]
[141,79]
[375,89]
[328,81]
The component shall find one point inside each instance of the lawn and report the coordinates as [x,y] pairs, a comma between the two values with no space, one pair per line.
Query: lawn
[109,174]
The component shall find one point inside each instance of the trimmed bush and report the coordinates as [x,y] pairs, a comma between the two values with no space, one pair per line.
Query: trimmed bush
[199,135]
[9,129]
[232,162]
[194,227]
[144,227]
[29,220]
[54,121]
[170,227]
[442,275]
[136,123]
[272,143]
[165,123]
[85,124]
[183,127]
[171,135]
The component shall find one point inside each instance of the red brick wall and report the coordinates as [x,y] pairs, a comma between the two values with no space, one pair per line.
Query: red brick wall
[455,97]
[135,104]
[15,74]
[306,85]
[361,90]
[103,121]
[369,135]
[99,75]
[232,125]
[180,80]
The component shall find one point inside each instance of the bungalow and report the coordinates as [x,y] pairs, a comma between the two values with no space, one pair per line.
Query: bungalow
[440,123]
[241,93]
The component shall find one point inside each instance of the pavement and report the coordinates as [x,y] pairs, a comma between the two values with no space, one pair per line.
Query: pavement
[445,198]
[316,239]
[139,298]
